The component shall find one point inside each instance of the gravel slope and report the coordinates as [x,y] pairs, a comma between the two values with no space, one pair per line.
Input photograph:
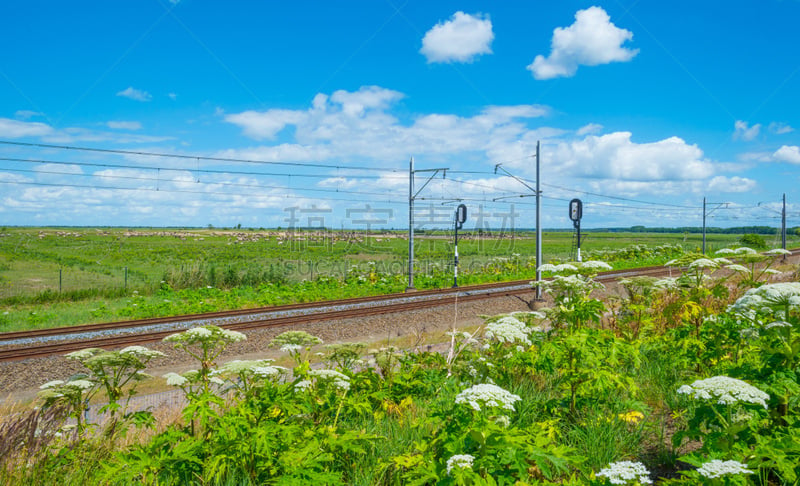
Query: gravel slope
[19,381]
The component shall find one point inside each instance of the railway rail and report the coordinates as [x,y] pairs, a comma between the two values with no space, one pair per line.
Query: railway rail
[39,343]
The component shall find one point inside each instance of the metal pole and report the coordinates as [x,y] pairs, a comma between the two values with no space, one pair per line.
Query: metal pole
[455,244]
[704,226]
[126,277]
[59,280]
[578,227]
[410,225]
[538,228]
[783,223]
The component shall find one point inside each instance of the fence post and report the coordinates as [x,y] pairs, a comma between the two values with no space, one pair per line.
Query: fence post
[59,280]
[126,278]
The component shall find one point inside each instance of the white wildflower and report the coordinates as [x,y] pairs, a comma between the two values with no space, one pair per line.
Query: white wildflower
[703,263]
[665,283]
[722,261]
[777,294]
[291,348]
[80,384]
[624,471]
[51,384]
[142,352]
[269,371]
[717,468]
[772,271]
[508,330]
[238,366]
[778,251]
[198,333]
[725,390]
[174,379]
[487,395]
[595,265]
[745,251]
[564,267]
[83,353]
[461,461]
[726,251]
[233,336]
[339,380]
[302,385]
[777,324]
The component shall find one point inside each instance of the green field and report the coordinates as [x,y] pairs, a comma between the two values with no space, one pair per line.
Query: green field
[60,276]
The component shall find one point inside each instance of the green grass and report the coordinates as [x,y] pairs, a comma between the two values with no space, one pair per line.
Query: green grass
[55,277]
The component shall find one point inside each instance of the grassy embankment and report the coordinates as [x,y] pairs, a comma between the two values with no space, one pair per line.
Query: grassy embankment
[55,277]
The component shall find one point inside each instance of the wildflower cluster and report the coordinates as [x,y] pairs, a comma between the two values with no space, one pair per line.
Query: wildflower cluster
[717,468]
[198,335]
[488,396]
[570,286]
[634,252]
[248,374]
[624,471]
[325,378]
[560,268]
[295,343]
[594,266]
[726,391]
[460,461]
[508,329]
[777,296]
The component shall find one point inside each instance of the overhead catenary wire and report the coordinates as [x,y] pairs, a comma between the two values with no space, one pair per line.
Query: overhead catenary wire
[195,170]
[195,157]
[350,175]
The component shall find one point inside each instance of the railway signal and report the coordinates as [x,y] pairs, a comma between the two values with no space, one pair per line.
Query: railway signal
[459,219]
[575,214]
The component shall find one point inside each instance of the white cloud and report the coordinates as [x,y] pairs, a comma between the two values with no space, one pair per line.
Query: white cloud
[366,98]
[749,157]
[124,125]
[17,129]
[787,153]
[518,111]
[339,183]
[26,114]
[266,124]
[742,131]
[591,128]
[646,189]
[780,128]
[135,94]
[731,184]
[278,153]
[173,96]
[74,134]
[460,39]
[615,156]
[69,169]
[592,40]
[359,124]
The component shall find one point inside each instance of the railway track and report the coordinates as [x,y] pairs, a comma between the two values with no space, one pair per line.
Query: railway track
[39,343]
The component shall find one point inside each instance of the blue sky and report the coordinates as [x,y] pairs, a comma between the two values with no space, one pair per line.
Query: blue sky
[642,110]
